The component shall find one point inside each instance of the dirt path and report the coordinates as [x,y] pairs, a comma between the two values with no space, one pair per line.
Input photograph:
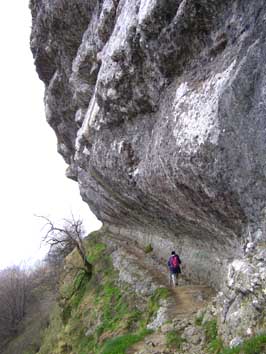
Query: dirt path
[187,299]
[190,298]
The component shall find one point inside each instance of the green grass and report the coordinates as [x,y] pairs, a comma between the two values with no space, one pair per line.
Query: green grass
[213,343]
[102,305]
[120,344]
[174,340]
[215,346]
[117,309]
[148,248]
[114,307]
[96,252]
[210,329]
[80,287]
[50,334]
[198,320]
[254,345]
[154,302]
[75,294]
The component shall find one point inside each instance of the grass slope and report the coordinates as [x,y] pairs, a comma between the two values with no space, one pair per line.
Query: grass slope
[98,315]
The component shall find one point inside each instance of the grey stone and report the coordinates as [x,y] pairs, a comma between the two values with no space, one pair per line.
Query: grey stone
[159,111]
[190,331]
[160,318]
[153,151]
[167,327]
[235,342]
[196,339]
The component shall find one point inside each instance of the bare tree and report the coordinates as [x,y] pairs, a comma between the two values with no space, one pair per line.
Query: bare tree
[25,292]
[63,239]
[14,291]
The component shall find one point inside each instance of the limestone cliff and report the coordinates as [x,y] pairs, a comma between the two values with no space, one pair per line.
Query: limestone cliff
[159,110]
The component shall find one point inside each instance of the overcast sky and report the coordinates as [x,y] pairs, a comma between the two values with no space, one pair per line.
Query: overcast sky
[32,177]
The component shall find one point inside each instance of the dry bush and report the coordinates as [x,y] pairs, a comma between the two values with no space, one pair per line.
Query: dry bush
[14,293]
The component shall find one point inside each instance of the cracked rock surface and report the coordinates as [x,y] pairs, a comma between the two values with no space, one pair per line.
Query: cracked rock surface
[159,111]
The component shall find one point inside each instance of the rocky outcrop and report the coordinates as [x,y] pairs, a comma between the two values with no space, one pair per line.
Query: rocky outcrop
[158,107]
[242,300]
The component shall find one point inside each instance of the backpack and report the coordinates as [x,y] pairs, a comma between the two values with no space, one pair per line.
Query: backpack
[174,262]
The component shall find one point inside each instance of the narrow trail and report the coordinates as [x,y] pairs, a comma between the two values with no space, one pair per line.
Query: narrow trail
[185,301]
[188,298]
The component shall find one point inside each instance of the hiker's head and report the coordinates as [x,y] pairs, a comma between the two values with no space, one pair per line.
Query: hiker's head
[173,252]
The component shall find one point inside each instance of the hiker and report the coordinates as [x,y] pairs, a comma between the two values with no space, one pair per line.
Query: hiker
[174,268]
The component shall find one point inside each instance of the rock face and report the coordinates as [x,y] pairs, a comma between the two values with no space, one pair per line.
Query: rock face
[159,110]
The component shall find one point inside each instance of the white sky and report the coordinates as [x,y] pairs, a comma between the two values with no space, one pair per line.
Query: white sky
[32,173]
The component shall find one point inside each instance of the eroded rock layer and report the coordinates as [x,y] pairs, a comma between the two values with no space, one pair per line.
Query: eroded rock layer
[159,110]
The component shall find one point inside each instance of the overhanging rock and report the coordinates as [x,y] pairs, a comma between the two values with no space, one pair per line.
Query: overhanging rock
[159,111]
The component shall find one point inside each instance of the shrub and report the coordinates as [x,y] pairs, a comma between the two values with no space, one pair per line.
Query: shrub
[148,248]
[174,339]
[210,329]
[214,344]
[198,320]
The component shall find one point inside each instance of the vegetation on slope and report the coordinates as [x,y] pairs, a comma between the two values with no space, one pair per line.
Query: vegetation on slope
[97,315]
[26,299]
[214,344]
